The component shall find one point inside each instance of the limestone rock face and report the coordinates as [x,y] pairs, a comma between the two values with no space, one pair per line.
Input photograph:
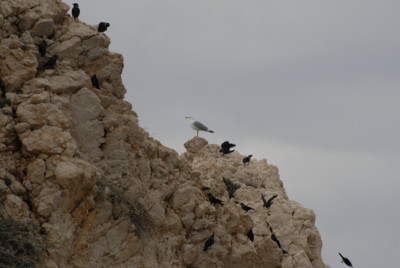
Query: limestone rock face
[74,160]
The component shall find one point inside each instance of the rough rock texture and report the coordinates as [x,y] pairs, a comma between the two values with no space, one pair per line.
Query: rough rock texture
[74,160]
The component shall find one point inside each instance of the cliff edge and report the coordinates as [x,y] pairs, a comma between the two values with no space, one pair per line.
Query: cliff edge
[99,191]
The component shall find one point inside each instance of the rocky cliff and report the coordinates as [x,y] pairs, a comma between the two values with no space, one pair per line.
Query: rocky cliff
[102,193]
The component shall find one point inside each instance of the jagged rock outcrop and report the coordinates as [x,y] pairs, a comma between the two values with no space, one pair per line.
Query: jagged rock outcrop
[74,160]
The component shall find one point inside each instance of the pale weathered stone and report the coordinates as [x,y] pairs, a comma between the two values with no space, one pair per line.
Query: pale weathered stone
[14,208]
[49,199]
[69,48]
[44,27]
[76,178]
[195,145]
[27,20]
[17,66]
[88,129]
[22,127]
[69,82]
[36,170]
[46,140]
[38,115]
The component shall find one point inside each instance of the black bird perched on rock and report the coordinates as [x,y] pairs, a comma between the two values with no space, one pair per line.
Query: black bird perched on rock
[245,207]
[209,242]
[51,62]
[275,239]
[214,200]
[230,187]
[95,81]
[250,235]
[246,160]
[226,147]
[75,11]
[345,260]
[103,27]
[42,48]
[268,203]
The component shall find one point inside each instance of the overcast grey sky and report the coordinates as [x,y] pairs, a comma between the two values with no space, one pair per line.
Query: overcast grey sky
[312,86]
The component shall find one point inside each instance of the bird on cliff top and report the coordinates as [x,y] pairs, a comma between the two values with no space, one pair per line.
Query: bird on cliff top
[250,235]
[42,48]
[51,62]
[209,242]
[226,147]
[103,27]
[246,160]
[75,11]
[196,125]
[95,81]
[268,203]
[214,200]
[245,207]
[345,260]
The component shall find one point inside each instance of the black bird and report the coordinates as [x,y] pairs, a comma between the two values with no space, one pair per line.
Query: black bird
[214,200]
[346,260]
[42,48]
[250,235]
[246,160]
[51,62]
[230,187]
[275,239]
[245,207]
[209,242]
[75,11]
[268,203]
[95,81]
[103,27]
[226,147]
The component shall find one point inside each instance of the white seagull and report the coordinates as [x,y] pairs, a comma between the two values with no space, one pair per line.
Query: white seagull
[196,125]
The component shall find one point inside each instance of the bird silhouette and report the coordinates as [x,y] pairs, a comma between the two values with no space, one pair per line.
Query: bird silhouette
[268,203]
[42,48]
[103,27]
[209,242]
[245,207]
[250,235]
[226,147]
[95,81]
[75,11]
[246,160]
[275,239]
[51,62]
[214,200]
[345,260]
[230,187]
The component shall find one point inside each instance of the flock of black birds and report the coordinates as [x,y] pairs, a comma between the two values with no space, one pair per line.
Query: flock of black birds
[51,62]
[226,148]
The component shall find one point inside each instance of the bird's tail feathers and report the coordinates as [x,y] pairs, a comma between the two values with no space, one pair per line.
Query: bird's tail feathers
[210,131]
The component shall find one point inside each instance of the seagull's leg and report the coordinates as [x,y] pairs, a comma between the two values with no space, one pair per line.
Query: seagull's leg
[197,133]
